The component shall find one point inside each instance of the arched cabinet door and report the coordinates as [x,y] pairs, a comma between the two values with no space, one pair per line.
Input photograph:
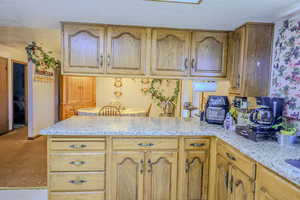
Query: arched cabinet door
[161,175]
[222,178]
[196,175]
[170,52]
[127,176]
[83,48]
[241,186]
[209,51]
[126,50]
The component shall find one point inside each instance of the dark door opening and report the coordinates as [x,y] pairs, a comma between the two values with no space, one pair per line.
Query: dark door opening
[19,95]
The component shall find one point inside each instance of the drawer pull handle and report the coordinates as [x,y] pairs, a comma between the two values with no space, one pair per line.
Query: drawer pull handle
[197,144]
[146,144]
[77,182]
[78,146]
[187,166]
[231,157]
[77,163]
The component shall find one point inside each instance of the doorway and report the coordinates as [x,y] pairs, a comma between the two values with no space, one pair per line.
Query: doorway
[19,94]
[3,95]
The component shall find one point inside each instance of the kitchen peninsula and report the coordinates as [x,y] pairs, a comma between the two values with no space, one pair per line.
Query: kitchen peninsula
[91,157]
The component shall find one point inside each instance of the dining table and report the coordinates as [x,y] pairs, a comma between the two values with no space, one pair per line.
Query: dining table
[131,112]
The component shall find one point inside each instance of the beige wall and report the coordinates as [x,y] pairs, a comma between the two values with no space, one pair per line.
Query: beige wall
[132,96]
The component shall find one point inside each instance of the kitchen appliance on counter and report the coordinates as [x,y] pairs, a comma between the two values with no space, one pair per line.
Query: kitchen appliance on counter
[262,119]
[216,109]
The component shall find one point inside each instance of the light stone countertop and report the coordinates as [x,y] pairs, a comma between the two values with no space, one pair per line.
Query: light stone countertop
[268,153]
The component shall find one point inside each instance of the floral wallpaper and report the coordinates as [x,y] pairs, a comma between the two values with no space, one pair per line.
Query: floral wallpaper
[286,67]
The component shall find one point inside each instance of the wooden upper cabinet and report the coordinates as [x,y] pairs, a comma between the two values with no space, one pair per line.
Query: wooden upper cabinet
[83,48]
[170,52]
[196,175]
[161,179]
[127,175]
[127,50]
[209,52]
[235,59]
[222,178]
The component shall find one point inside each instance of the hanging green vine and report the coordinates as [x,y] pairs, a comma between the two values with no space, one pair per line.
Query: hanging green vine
[39,57]
[158,94]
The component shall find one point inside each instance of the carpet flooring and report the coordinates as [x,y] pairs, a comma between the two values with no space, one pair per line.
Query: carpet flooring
[23,162]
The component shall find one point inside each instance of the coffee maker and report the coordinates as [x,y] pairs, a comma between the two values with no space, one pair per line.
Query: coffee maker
[267,113]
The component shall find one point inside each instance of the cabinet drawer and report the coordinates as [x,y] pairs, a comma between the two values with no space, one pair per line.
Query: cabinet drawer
[85,181]
[77,161]
[196,144]
[77,145]
[144,143]
[239,160]
[77,196]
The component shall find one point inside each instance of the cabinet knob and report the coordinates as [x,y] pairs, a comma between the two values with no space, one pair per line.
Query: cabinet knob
[186,63]
[108,60]
[101,60]
[78,146]
[197,144]
[193,63]
[146,144]
[77,182]
[231,157]
[77,163]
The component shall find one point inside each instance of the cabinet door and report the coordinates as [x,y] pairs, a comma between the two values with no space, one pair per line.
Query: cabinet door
[83,48]
[241,185]
[196,175]
[161,180]
[236,53]
[209,52]
[88,91]
[126,50]
[170,52]
[127,175]
[222,176]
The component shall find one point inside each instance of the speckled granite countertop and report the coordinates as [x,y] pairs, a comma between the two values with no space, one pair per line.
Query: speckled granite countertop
[268,153]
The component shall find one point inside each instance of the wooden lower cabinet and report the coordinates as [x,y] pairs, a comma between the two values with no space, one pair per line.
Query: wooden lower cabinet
[144,175]
[222,177]
[241,186]
[195,175]
[127,175]
[269,186]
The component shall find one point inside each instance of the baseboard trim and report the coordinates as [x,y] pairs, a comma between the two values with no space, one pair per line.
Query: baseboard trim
[24,188]
[34,137]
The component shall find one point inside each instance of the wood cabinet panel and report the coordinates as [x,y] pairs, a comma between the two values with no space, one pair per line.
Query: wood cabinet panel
[269,186]
[127,175]
[126,50]
[241,186]
[77,196]
[83,48]
[236,158]
[62,162]
[144,143]
[222,178]
[209,52]
[170,52]
[79,181]
[76,92]
[196,175]
[161,179]
[77,145]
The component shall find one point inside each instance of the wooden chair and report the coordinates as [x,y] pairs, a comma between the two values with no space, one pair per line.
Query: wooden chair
[148,110]
[109,111]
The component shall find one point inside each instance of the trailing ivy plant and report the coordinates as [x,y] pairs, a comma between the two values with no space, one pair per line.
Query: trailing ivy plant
[40,58]
[158,95]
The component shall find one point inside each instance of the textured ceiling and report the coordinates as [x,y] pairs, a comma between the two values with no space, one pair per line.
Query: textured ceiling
[210,14]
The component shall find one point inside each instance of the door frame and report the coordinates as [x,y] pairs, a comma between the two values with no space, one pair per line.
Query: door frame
[25,88]
[7,94]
